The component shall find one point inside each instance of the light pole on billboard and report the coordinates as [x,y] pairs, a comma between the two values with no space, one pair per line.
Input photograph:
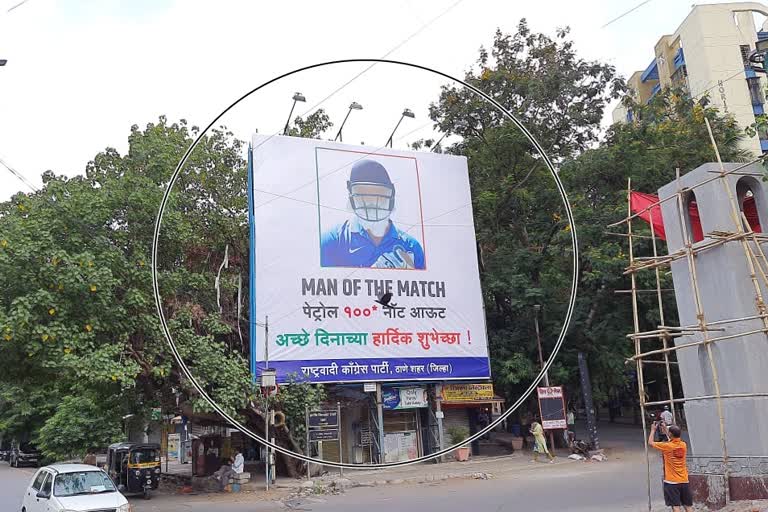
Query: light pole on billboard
[3,62]
[296,97]
[406,113]
[536,310]
[352,106]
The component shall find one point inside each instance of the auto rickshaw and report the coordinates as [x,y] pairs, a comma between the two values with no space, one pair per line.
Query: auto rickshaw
[134,467]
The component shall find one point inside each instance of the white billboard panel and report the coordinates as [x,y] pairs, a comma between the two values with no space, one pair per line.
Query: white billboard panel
[335,228]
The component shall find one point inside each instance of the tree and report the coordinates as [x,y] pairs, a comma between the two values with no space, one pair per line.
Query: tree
[523,237]
[78,320]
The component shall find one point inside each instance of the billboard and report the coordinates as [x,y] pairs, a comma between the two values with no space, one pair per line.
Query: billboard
[336,230]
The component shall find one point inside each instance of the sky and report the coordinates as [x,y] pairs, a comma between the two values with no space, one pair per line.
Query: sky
[81,73]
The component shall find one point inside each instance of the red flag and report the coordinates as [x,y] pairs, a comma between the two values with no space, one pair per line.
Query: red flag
[641,203]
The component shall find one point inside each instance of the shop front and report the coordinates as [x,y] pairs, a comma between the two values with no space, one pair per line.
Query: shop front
[403,413]
[470,406]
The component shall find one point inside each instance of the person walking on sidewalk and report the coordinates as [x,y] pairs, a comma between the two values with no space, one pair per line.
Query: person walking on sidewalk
[677,491]
[540,443]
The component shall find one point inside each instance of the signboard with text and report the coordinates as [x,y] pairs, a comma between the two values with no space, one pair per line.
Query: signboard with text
[404,398]
[323,419]
[552,408]
[467,392]
[331,434]
[334,228]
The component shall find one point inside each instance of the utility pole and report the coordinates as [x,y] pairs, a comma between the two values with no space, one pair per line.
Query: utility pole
[586,389]
[536,310]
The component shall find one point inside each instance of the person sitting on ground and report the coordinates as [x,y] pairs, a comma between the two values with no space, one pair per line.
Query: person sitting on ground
[540,443]
[227,472]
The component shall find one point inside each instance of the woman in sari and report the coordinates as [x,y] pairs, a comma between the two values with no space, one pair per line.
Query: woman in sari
[540,443]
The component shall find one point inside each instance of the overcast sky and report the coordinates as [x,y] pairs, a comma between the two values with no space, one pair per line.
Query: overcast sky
[80,73]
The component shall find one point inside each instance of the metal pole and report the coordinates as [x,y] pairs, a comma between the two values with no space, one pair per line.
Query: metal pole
[536,310]
[266,438]
[266,397]
[285,130]
[439,409]
[380,415]
[266,341]
[341,446]
[639,365]
[338,134]
[272,469]
[389,140]
[306,426]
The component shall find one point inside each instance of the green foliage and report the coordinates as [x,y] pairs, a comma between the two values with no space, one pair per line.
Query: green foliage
[316,123]
[457,434]
[523,236]
[79,423]
[78,317]
[293,399]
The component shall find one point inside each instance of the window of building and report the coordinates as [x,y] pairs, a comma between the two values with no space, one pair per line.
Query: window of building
[755,91]
[692,218]
[745,51]
[751,200]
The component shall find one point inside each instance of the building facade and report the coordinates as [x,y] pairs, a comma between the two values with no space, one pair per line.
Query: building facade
[709,54]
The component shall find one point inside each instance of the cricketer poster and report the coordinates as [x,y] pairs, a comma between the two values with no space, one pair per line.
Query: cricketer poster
[364,264]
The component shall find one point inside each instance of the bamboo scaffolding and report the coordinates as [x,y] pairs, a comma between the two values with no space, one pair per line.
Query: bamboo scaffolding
[640,383]
[710,397]
[757,264]
[699,342]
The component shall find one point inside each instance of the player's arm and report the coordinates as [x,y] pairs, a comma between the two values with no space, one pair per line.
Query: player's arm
[418,256]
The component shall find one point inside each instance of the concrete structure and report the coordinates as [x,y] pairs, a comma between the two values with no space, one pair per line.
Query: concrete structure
[707,54]
[727,292]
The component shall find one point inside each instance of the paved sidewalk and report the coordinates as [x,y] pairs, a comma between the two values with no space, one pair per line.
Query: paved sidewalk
[481,468]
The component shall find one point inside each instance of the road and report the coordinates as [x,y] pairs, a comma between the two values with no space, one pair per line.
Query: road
[614,485]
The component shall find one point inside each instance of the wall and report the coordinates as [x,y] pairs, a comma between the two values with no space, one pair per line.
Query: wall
[726,292]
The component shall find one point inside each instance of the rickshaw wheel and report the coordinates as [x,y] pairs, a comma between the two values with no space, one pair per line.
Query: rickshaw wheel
[146,493]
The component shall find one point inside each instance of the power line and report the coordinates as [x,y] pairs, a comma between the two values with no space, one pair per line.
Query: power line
[19,176]
[628,12]
[17,5]
[391,51]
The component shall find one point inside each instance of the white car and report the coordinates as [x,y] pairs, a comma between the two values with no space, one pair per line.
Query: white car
[73,488]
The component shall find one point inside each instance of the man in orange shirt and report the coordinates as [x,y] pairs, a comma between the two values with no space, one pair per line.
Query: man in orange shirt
[677,492]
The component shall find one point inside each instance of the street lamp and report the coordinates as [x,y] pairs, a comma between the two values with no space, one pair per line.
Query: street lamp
[352,106]
[3,62]
[296,97]
[406,113]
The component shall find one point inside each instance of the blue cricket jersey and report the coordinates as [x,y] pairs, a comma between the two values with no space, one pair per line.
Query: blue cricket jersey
[349,245]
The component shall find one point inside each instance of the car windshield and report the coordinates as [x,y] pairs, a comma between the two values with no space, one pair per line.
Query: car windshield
[143,456]
[84,482]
